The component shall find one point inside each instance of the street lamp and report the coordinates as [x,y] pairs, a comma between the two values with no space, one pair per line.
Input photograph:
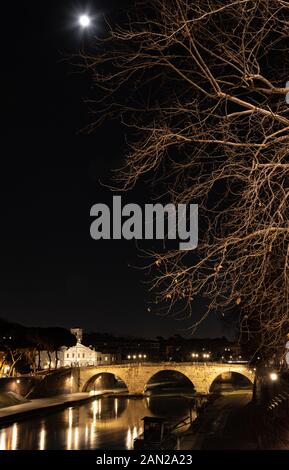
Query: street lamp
[273,376]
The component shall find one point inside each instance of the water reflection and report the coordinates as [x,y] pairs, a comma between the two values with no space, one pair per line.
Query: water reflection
[42,438]
[9,440]
[3,445]
[105,423]
[14,436]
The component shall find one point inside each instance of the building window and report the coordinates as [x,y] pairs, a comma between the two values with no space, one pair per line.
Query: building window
[83,355]
[67,355]
[72,354]
[78,355]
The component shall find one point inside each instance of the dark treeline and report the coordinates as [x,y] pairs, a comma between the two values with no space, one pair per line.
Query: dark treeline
[20,346]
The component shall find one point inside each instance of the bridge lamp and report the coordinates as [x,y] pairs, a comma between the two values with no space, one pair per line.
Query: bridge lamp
[145,356]
[128,357]
[134,357]
[273,376]
[140,356]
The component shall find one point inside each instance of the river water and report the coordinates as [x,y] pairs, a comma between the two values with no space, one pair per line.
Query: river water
[104,423]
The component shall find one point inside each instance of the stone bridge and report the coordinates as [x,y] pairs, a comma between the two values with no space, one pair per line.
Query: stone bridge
[137,376]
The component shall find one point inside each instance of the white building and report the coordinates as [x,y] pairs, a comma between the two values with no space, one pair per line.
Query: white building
[76,356]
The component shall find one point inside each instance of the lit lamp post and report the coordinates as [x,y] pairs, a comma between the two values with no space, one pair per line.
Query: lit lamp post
[206,355]
[274,378]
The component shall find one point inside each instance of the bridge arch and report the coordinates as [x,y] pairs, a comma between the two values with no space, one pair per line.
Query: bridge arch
[168,376]
[240,378]
[89,384]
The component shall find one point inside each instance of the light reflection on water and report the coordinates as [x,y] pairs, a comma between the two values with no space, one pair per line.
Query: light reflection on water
[105,423]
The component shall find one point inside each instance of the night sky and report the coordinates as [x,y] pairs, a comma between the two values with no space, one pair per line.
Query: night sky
[51,271]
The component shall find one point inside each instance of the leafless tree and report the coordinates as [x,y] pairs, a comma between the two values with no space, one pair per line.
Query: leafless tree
[201,87]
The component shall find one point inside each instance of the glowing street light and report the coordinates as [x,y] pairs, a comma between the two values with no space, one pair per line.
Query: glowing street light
[84,21]
[273,376]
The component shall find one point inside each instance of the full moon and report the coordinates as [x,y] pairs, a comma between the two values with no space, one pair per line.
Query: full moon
[84,21]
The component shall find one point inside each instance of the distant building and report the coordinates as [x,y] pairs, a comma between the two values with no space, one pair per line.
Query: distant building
[76,356]
[125,348]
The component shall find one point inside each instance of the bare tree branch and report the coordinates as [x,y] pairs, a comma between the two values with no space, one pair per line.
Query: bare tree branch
[201,87]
